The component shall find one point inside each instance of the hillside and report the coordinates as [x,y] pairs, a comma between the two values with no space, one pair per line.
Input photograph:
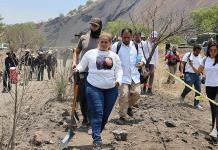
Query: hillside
[60,31]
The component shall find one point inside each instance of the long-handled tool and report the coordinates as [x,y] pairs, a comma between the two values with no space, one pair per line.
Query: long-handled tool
[74,116]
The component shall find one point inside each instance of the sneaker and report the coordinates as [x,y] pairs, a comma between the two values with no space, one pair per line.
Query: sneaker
[90,131]
[130,112]
[149,92]
[182,100]
[199,107]
[143,91]
[121,121]
[213,133]
[97,146]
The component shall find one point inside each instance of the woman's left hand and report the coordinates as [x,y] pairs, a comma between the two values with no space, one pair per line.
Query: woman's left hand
[117,84]
[75,70]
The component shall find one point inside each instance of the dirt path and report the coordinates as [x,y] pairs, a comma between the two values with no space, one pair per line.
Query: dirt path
[146,131]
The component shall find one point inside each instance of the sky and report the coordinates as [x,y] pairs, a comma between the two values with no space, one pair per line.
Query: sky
[18,11]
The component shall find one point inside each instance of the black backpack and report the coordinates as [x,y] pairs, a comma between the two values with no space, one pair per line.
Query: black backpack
[119,46]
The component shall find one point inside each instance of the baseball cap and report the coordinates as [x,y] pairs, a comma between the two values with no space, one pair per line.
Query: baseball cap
[96,21]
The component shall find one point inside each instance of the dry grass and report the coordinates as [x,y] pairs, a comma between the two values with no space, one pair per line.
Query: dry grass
[60,84]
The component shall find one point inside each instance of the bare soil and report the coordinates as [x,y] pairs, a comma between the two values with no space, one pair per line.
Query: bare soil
[146,131]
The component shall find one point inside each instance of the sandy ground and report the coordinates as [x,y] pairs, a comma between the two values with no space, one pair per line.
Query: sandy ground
[146,131]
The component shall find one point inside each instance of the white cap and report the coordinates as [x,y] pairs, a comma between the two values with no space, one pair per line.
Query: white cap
[27,50]
[154,34]
[50,52]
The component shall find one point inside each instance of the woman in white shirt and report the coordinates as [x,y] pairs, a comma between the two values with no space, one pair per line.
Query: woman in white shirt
[104,76]
[210,66]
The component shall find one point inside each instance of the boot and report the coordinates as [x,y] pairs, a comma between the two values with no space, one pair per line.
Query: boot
[4,90]
[143,91]
[149,92]
[130,112]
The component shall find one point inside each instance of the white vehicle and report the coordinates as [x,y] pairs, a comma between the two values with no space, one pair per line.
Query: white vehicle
[3,46]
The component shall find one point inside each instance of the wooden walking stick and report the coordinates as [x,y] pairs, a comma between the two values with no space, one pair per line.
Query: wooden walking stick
[74,116]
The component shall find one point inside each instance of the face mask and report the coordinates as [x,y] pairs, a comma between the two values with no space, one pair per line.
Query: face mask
[97,33]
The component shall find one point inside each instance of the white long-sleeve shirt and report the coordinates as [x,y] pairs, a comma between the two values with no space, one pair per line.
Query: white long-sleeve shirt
[147,50]
[104,68]
[128,56]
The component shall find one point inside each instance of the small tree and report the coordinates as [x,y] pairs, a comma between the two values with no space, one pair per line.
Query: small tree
[23,35]
[173,24]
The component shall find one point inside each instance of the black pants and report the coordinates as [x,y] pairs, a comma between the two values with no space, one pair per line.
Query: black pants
[40,73]
[6,80]
[81,97]
[51,72]
[211,93]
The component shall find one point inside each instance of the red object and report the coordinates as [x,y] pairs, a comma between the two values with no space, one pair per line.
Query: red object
[172,56]
[13,75]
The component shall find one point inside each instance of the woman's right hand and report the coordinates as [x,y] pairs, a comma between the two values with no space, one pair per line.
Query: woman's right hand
[117,84]
[75,70]
[73,66]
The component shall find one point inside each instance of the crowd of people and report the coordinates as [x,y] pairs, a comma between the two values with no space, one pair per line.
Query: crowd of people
[121,68]
[106,64]
[26,66]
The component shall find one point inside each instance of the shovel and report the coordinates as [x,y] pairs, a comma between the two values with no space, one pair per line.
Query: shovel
[72,125]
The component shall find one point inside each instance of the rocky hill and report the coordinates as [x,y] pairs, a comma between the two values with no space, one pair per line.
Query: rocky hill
[60,31]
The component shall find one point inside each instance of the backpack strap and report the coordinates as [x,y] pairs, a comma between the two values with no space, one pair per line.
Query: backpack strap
[204,61]
[119,46]
[137,47]
[186,62]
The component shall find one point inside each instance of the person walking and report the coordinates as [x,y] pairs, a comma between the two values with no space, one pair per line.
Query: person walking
[104,77]
[129,52]
[172,57]
[26,62]
[152,64]
[86,43]
[10,61]
[191,61]
[210,67]
[40,62]
[51,63]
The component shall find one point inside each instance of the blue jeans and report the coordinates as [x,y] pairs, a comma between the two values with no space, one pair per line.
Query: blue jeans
[192,79]
[100,102]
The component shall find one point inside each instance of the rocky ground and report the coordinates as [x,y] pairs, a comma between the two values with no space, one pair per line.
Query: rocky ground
[160,122]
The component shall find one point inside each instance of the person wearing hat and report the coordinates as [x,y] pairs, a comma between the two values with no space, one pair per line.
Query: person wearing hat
[10,61]
[86,43]
[172,57]
[32,67]
[40,62]
[132,58]
[143,37]
[147,89]
[26,61]
[51,62]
